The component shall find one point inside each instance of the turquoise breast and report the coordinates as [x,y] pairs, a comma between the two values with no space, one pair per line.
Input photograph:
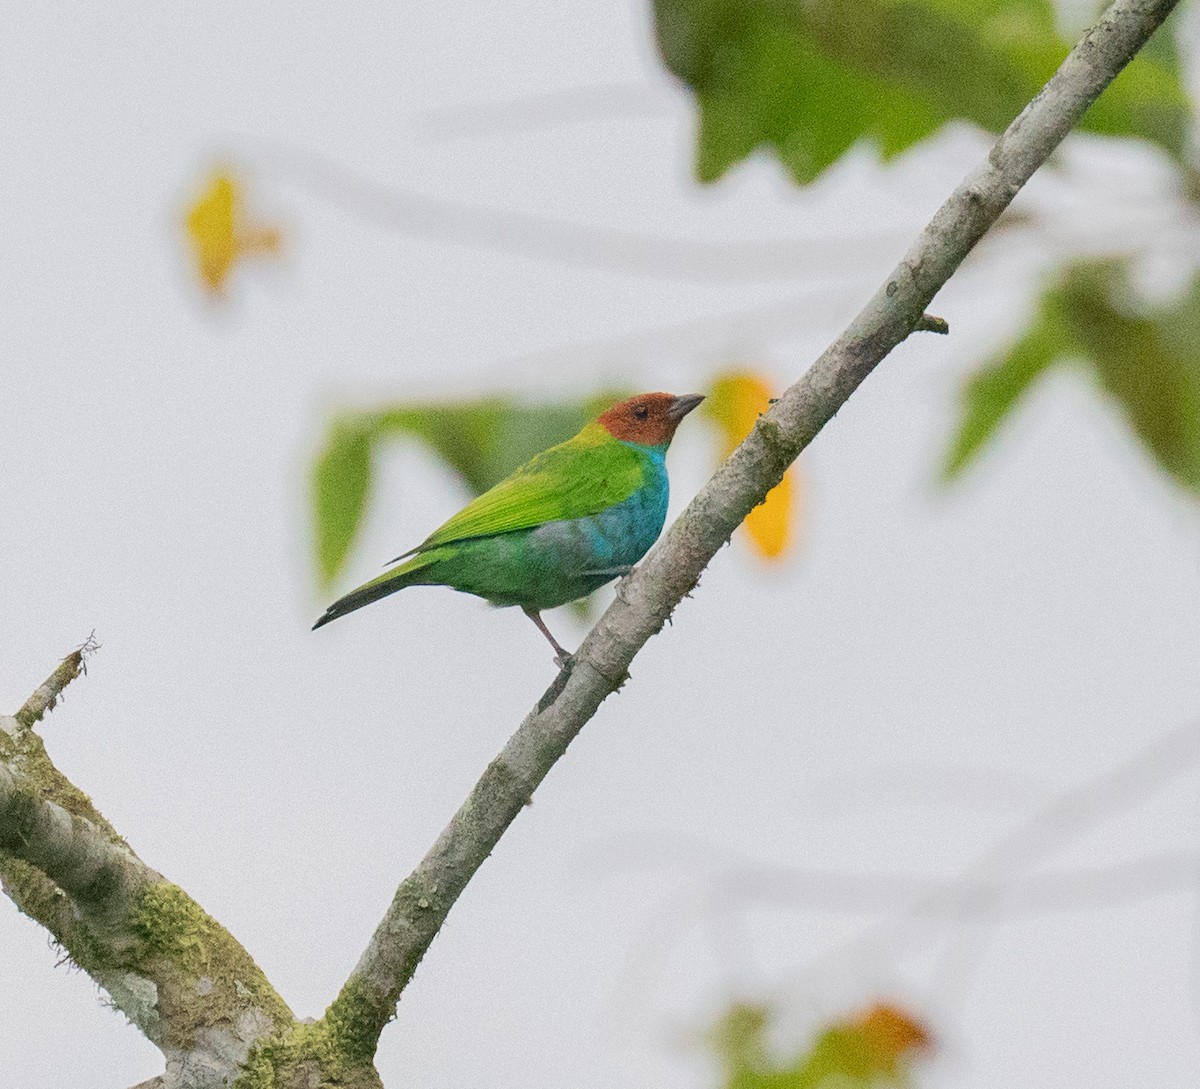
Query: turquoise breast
[577,556]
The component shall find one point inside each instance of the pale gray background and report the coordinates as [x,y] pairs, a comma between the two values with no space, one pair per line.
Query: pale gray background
[1005,639]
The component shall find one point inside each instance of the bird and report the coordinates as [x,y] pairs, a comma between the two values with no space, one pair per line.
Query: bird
[570,519]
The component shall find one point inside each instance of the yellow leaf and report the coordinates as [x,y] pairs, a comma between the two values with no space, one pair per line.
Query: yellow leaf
[218,236]
[734,402]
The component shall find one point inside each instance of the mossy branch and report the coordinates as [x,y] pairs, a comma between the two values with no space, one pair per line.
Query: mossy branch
[49,691]
[166,964]
[647,597]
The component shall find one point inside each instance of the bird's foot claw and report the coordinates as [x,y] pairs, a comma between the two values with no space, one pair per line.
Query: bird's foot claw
[564,660]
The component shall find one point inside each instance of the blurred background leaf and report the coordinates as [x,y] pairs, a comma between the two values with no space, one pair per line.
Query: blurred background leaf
[734,402]
[341,484]
[1147,363]
[218,234]
[873,1048]
[809,78]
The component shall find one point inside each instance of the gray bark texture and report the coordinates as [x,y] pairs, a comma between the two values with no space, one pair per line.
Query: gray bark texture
[186,982]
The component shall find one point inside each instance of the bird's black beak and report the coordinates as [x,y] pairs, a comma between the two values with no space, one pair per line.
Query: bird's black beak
[684,404]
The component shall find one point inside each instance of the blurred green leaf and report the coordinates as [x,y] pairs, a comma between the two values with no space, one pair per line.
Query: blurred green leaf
[809,78]
[873,1048]
[341,483]
[1148,363]
[483,440]
[739,1041]
[991,393]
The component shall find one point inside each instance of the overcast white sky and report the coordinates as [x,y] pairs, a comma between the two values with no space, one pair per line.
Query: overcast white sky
[927,670]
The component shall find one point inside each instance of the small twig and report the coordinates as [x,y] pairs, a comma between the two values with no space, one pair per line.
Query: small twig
[51,689]
[931,323]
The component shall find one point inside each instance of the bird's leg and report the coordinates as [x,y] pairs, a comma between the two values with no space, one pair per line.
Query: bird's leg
[561,655]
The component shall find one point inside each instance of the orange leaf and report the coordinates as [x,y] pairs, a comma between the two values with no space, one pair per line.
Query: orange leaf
[734,403]
[891,1033]
[217,235]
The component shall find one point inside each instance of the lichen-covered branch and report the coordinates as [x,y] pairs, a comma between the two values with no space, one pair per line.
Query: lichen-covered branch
[167,965]
[78,857]
[648,596]
[51,688]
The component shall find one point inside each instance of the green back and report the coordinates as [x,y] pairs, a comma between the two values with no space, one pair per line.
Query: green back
[577,478]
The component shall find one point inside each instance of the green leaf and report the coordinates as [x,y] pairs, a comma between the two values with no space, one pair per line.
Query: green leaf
[875,1048]
[341,484]
[993,392]
[1147,363]
[809,78]
[739,1041]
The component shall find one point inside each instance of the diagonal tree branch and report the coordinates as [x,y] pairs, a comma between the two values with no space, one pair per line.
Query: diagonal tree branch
[648,596]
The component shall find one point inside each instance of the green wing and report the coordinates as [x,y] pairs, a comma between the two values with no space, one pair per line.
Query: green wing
[577,478]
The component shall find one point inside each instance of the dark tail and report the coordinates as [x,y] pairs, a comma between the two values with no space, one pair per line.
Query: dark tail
[385,584]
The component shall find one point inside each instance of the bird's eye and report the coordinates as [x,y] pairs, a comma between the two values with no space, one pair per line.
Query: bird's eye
[641,412]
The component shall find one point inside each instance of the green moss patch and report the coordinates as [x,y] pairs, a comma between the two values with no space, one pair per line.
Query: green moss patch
[205,977]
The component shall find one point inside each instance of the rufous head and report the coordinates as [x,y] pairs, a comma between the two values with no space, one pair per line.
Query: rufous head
[649,419]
